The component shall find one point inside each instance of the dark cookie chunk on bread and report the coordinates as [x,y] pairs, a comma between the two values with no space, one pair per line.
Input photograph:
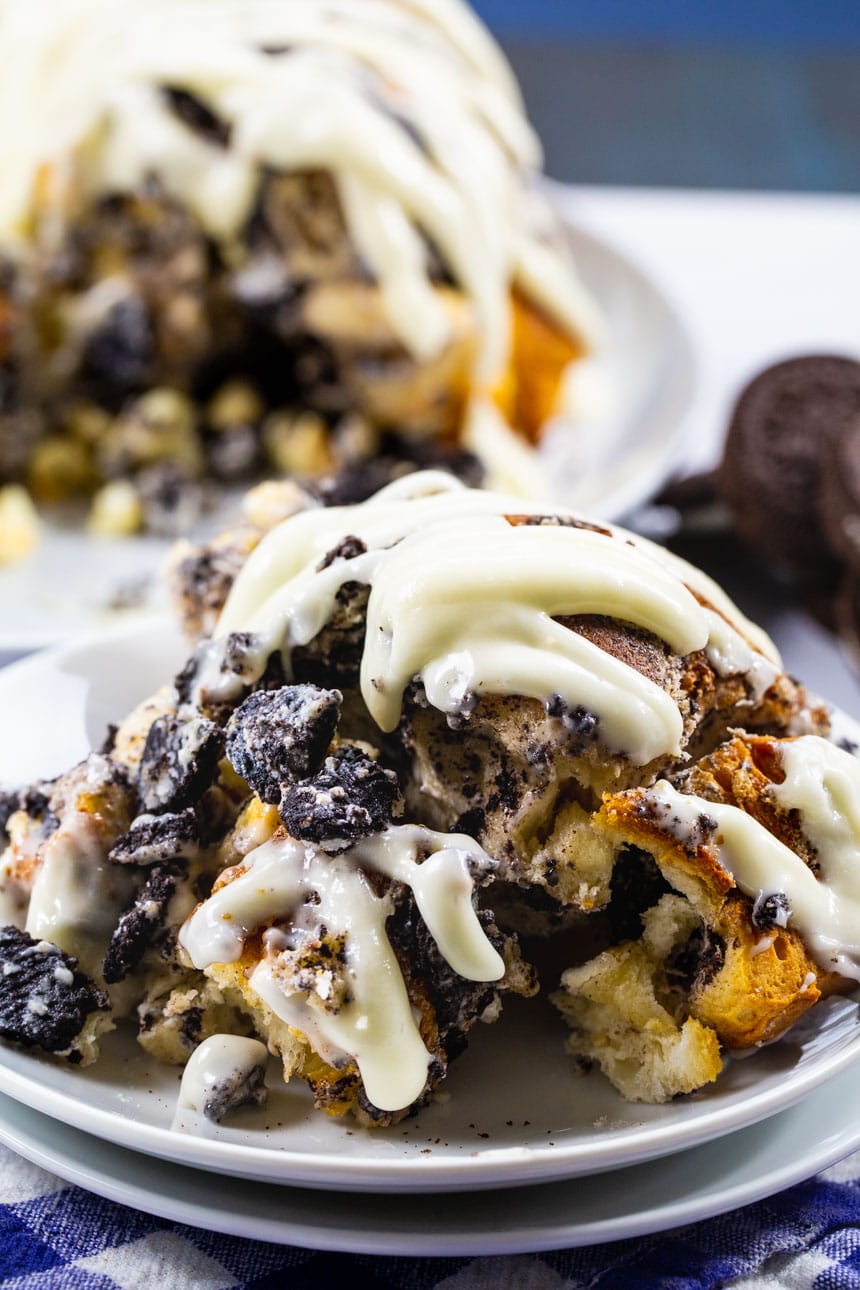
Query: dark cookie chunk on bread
[178,763]
[201,580]
[397,456]
[141,925]
[351,797]
[191,111]
[44,1000]
[333,657]
[277,737]
[347,549]
[457,1004]
[240,1088]
[9,804]
[154,839]
[241,669]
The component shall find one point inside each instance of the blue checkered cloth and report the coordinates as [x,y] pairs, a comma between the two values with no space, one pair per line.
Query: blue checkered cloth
[57,1237]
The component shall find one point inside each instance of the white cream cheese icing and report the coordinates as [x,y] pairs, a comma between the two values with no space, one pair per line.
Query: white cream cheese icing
[822,784]
[467,602]
[78,894]
[410,107]
[308,888]
[217,1063]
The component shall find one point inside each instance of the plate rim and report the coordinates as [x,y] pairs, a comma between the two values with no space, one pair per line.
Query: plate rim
[487,1167]
[217,1211]
[636,478]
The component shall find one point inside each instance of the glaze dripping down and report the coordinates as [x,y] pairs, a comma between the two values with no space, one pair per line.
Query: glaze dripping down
[467,601]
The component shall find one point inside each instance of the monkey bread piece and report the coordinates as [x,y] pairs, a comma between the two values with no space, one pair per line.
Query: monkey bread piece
[626,1017]
[526,776]
[363,968]
[55,881]
[196,286]
[522,773]
[200,578]
[175,1017]
[751,933]
[427,726]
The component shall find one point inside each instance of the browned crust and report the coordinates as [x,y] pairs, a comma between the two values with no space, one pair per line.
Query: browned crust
[540,354]
[768,978]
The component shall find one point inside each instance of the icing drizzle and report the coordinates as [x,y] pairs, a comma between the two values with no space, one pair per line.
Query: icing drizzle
[408,104]
[466,601]
[315,893]
[822,784]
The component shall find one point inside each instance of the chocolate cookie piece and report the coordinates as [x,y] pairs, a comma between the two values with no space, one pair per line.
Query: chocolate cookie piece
[44,999]
[236,667]
[279,736]
[155,839]
[839,495]
[351,797]
[9,804]
[398,455]
[781,427]
[178,762]
[142,924]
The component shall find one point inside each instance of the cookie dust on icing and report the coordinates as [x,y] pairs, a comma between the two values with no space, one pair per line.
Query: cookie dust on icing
[306,892]
[466,601]
[408,105]
[822,784]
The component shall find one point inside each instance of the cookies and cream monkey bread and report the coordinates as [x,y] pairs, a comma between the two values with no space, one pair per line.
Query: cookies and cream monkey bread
[430,734]
[237,234]
[529,669]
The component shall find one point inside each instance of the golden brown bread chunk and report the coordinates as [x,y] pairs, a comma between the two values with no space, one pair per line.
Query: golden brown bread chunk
[707,954]
[626,1017]
[539,357]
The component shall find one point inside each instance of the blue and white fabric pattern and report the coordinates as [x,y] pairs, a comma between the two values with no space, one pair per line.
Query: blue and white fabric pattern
[58,1237]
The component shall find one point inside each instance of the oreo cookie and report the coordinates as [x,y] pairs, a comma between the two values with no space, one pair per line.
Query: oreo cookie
[839,496]
[846,614]
[782,428]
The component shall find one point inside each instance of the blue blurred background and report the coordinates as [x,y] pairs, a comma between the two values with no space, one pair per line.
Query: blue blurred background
[705,93]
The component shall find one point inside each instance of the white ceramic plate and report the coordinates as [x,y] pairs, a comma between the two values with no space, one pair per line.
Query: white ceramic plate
[684,1188]
[636,393]
[513,1111]
[613,460]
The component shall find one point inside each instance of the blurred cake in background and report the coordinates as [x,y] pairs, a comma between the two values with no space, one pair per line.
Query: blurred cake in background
[241,237]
